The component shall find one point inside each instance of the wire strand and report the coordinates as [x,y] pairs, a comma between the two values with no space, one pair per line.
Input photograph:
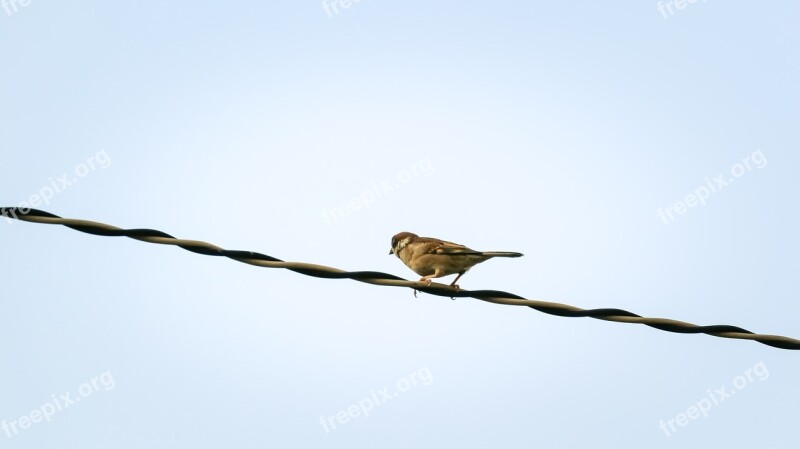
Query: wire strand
[385,279]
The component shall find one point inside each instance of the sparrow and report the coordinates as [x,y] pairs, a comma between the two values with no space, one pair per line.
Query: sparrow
[434,258]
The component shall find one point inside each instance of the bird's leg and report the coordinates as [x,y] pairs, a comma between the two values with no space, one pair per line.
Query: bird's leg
[438,272]
[455,285]
[423,279]
[456,280]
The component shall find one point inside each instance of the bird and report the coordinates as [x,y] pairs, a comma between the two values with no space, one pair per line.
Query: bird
[434,258]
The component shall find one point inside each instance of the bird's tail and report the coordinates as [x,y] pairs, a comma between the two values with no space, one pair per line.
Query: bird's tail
[501,254]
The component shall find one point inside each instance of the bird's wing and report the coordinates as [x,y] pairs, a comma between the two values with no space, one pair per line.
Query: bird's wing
[436,246]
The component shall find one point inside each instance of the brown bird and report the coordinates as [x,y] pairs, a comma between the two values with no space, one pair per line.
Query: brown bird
[434,258]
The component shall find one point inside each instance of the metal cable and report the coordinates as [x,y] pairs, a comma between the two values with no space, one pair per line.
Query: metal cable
[378,278]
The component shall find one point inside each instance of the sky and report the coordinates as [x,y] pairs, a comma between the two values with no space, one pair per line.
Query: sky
[642,155]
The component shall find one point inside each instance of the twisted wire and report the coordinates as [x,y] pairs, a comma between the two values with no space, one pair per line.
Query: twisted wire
[385,279]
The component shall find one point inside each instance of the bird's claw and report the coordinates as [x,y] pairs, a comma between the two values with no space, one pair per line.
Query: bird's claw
[457,289]
[428,283]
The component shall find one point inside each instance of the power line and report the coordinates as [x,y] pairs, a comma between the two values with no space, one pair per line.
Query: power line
[385,279]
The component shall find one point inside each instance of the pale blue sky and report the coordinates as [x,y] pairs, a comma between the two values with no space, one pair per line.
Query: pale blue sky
[556,129]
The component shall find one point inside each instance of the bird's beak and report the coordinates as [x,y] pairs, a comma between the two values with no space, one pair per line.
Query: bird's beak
[391,251]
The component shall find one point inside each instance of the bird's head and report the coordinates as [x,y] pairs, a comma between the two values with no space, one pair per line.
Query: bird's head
[399,241]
